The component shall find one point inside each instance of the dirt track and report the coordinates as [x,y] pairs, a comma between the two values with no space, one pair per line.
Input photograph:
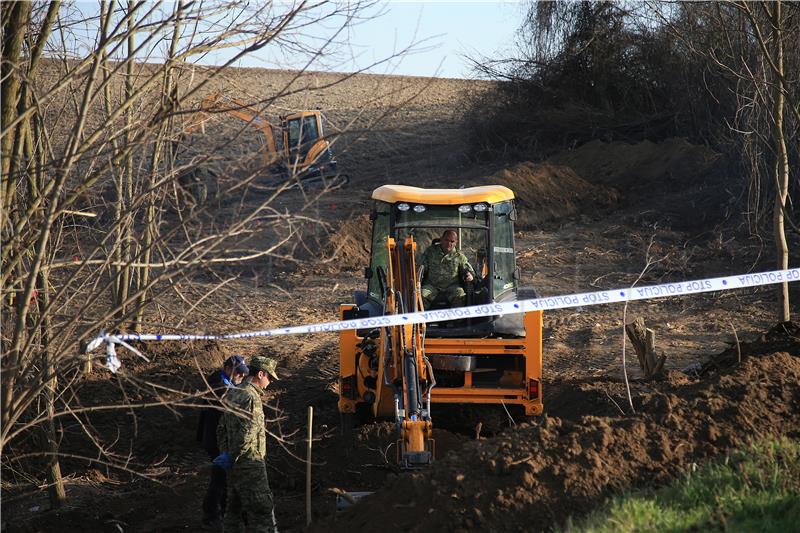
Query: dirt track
[587,217]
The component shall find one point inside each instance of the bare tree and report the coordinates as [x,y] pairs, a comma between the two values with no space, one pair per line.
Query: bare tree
[746,42]
[774,56]
[717,73]
[97,231]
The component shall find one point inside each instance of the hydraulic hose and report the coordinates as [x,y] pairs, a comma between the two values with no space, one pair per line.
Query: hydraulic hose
[430,386]
[412,385]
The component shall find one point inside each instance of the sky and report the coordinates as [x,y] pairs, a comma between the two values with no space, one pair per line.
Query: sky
[440,34]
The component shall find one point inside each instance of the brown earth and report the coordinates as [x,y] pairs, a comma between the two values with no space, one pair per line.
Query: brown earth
[587,219]
[534,476]
[548,192]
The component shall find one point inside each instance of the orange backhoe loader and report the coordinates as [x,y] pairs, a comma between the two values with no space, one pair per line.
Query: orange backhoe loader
[401,371]
[296,147]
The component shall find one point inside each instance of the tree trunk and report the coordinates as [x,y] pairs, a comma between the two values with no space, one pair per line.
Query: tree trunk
[13,37]
[55,482]
[169,98]
[781,161]
[128,237]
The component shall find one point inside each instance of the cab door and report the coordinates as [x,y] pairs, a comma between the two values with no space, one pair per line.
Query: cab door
[301,134]
[503,271]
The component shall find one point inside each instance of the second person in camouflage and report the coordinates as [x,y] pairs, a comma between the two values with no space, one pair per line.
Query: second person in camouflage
[242,439]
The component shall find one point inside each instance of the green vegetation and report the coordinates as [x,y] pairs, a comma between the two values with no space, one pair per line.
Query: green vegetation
[755,488]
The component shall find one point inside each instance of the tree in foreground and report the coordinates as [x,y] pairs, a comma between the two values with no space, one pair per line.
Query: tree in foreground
[100,228]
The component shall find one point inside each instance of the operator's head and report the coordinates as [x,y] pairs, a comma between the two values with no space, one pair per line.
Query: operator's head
[448,241]
[262,370]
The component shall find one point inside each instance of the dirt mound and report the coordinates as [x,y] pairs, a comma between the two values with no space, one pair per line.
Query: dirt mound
[547,192]
[347,248]
[675,183]
[671,162]
[783,337]
[535,476]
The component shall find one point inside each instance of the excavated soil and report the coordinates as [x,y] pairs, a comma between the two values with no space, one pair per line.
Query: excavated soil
[349,246]
[549,192]
[534,476]
[674,182]
[599,216]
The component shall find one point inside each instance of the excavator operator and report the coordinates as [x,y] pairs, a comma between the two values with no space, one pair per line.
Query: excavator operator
[445,267]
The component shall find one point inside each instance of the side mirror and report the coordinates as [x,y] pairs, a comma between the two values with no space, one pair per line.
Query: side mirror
[513,214]
[517,274]
[368,272]
[373,215]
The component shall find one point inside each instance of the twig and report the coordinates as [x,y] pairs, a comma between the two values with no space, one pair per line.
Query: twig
[614,402]
[738,344]
[308,465]
[510,419]
[523,460]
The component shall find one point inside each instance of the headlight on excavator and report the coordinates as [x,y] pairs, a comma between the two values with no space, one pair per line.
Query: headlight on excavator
[464,208]
[419,208]
[479,208]
[403,207]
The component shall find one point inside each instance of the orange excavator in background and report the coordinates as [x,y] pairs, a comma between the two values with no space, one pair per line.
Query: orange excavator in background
[401,370]
[297,147]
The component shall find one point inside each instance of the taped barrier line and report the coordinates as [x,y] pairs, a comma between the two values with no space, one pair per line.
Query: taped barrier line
[627,294]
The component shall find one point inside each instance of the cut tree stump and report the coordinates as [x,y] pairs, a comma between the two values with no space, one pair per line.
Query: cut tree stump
[644,343]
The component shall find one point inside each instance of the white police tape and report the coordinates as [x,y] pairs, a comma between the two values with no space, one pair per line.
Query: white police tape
[627,294]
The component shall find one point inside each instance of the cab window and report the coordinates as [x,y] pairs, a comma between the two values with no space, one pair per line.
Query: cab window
[302,132]
[379,253]
[503,249]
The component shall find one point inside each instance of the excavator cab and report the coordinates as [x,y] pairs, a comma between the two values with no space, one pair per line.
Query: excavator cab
[456,358]
[485,230]
[306,148]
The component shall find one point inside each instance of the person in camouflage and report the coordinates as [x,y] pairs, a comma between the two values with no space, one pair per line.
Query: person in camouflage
[242,440]
[231,375]
[445,267]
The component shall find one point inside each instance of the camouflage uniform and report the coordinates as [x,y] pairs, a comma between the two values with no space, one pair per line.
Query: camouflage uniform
[444,272]
[245,441]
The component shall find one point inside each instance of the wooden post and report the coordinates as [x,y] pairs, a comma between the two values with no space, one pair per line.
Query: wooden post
[308,466]
[644,343]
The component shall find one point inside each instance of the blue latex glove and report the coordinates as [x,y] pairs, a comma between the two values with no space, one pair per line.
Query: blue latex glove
[223,461]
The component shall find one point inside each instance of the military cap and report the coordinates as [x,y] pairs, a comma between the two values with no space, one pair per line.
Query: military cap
[268,365]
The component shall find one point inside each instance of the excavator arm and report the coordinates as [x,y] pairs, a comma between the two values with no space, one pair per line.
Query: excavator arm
[406,369]
[220,103]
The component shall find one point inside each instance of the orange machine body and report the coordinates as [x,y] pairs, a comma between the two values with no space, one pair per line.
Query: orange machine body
[491,360]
